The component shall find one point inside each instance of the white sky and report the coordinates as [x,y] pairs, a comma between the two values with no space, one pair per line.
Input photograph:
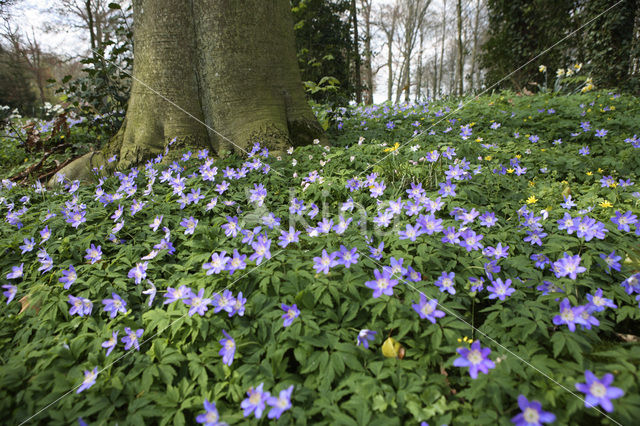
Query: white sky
[34,15]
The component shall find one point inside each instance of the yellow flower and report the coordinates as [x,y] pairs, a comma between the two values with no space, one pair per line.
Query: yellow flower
[606,204]
[510,170]
[393,148]
[543,149]
[479,139]
[600,170]
[613,107]
[518,156]
[578,67]
[488,158]
[589,173]
[532,200]
[392,349]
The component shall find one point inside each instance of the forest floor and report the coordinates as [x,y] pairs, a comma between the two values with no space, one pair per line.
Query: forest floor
[448,262]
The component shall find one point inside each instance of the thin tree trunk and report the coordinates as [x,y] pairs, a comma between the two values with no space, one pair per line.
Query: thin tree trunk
[99,25]
[92,35]
[390,68]
[434,82]
[356,42]
[368,68]
[444,36]
[399,87]
[460,50]
[474,51]
[407,79]
[634,57]
[419,72]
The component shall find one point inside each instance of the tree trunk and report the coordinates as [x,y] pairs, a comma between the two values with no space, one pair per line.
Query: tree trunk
[400,75]
[356,52]
[435,75]
[444,36]
[92,36]
[419,70]
[220,74]
[368,68]
[407,80]
[460,50]
[390,67]
[474,52]
[634,57]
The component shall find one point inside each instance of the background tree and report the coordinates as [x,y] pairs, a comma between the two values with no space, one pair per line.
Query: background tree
[518,31]
[15,90]
[325,46]
[356,53]
[413,14]
[366,7]
[442,43]
[26,53]
[461,49]
[95,18]
[101,91]
[478,37]
[387,22]
[606,44]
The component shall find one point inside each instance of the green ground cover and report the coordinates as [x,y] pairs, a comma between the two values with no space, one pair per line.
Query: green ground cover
[434,265]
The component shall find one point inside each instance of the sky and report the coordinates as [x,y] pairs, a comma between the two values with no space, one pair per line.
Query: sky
[34,15]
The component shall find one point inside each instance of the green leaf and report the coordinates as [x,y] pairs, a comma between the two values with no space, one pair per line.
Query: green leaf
[558,340]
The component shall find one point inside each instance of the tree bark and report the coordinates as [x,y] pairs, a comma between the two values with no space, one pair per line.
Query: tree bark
[460,50]
[387,21]
[368,68]
[220,74]
[92,36]
[634,57]
[434,82]
[356,52]
[389,69]
[474,52]
[419,72]
[444,36]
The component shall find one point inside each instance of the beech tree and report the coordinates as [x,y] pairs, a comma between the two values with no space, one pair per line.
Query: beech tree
[218,74]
